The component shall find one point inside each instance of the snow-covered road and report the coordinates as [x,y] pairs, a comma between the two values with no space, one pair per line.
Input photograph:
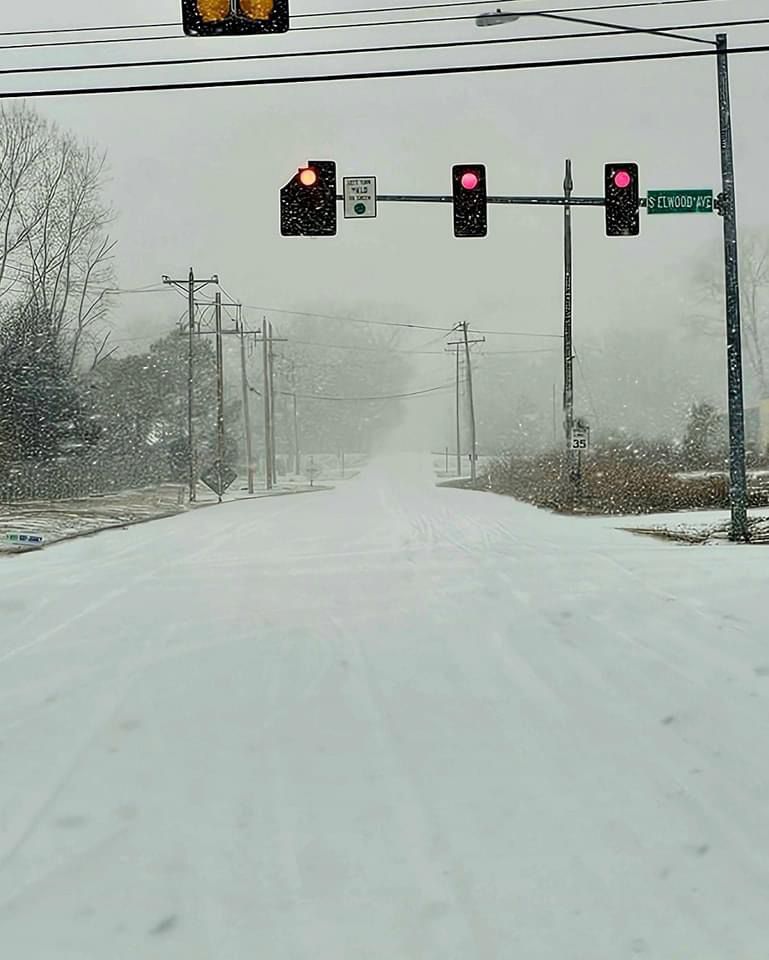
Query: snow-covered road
[389,722]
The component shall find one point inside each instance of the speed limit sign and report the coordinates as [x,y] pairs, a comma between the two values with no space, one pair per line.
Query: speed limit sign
[580,438]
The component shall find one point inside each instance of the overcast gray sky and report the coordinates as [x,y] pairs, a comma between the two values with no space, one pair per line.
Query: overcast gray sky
[195,175]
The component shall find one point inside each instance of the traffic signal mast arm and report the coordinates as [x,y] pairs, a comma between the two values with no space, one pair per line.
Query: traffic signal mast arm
[308,200]
[542,201]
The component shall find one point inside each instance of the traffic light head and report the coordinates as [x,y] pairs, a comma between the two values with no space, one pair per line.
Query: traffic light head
[308,201]
[469,190]
[621,198]
[308,176]
[221,18]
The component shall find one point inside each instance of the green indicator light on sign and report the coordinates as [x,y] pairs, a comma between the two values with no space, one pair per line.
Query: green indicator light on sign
[360,208]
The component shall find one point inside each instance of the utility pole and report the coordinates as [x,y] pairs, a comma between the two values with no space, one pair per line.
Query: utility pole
[219,396]
[469,372]
[738,488]
[246,407]
[457,404]
[464,345]
[192,473]
[268,478]
[568,347]
[296,419]
[459,432]
[190,286]
[273,452]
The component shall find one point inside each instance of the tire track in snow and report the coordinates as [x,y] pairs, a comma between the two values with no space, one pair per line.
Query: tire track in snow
[450,869]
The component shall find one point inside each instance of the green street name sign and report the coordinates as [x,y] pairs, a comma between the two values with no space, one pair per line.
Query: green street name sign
[679,201]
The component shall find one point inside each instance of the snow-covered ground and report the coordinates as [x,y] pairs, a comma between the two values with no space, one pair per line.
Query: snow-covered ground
[387,721]
[695,526]
[56,520]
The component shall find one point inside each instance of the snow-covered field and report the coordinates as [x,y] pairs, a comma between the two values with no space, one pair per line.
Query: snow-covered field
[387,721]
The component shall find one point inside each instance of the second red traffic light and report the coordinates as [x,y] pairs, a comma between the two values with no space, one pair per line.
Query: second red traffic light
[468,182]
[621,200]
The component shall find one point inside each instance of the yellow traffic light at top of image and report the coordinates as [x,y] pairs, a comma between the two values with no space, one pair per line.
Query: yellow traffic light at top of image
[257,9]
[212,10]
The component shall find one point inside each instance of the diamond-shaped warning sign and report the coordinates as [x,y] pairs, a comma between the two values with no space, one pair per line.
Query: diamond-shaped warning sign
[218,480]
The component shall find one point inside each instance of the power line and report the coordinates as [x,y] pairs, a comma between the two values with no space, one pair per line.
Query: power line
[326,316]
[500,353]
[587,387]
[376,74]
[52,31]
[524,13]
[391,48]
[399,8]
[392,396]
[362,349]
[518,333]
[327,26]
[398,323]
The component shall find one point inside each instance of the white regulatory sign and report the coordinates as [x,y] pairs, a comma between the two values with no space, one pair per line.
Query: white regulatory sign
[359,197]
[580,438]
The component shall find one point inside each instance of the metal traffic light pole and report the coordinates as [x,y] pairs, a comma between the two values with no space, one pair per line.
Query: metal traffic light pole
[220,439]
[738,488]
[568,351]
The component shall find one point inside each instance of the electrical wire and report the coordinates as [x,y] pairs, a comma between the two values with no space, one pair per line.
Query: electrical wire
[361,349]
[516,333]
[392,396]
[500,353]
[524,13]
[326,316]
[457,70]
[392,48]
[328,26]
[399,8]
[587,387]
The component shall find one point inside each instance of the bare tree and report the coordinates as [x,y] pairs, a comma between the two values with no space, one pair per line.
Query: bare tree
[23,138]
[754,301]
[54,229]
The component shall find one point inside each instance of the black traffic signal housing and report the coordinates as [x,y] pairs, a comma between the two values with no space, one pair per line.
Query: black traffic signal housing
[468,182]
[226,18]
[308,201]
[622,202]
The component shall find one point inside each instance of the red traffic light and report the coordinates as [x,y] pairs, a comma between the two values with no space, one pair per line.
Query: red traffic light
[308,176]
[308,201]
[468,188]
[621,199]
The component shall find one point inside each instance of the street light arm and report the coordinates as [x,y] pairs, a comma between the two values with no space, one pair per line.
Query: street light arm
[499,17]
[621,27]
